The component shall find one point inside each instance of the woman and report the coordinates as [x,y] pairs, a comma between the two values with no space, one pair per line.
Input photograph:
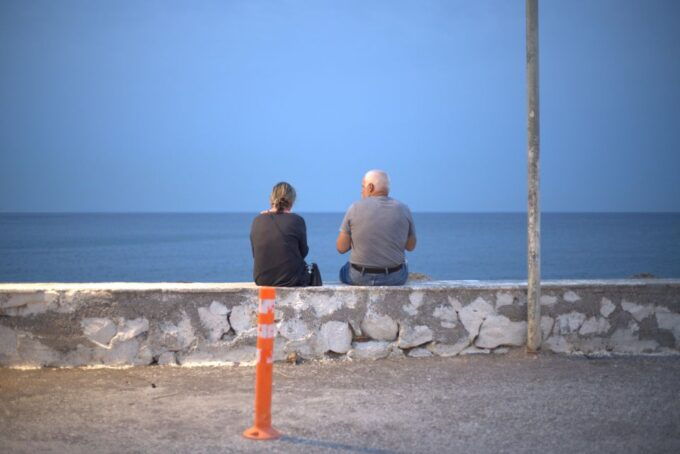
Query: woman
[279,242]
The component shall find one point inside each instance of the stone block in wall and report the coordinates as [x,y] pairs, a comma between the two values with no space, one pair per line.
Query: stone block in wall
[670,321]
[174,336]
[415,301]
[214,320]
[447,350]
[379,327]
[627,340]
[293,329]
[446,314]
[568,323]
[419,352]
[129,329]
[570,296]
[370,350]
[638,311]
[414,336]
[474,350]
[557,344]
[167,359]
[309,347]
[497,330]
[594,325]
[547,324]
[100,331]
[474,314]
[336,336]
[242,318]
[606,307]
[548,300]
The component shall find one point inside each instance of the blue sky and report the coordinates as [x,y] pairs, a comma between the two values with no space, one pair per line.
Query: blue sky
[173,106]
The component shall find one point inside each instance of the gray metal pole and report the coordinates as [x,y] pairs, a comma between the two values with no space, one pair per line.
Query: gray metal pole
[533,210]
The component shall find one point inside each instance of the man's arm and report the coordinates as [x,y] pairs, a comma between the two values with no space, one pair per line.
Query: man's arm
[411,243]
[343,243]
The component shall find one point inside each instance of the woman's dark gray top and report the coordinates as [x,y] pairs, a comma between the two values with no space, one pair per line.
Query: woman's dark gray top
[279,243]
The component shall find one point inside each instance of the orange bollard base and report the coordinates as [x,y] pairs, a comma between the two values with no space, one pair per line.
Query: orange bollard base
[256,433]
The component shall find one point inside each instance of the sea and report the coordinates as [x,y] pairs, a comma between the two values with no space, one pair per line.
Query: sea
[215,247]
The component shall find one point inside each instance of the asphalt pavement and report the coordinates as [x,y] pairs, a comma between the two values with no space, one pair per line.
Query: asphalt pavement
[511,403]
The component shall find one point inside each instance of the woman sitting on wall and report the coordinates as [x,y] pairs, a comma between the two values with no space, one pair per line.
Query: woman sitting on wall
[279,242]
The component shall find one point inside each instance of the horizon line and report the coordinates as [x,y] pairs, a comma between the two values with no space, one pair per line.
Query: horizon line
[328,212]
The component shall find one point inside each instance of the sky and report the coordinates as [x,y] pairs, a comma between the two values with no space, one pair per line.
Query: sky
[161,106]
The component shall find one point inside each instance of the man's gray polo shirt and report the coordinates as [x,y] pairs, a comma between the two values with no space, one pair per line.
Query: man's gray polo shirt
[379,228]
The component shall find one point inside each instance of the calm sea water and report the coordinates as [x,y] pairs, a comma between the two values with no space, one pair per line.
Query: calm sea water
[215,247]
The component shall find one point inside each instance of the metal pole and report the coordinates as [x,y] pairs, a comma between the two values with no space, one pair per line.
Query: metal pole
[533,211]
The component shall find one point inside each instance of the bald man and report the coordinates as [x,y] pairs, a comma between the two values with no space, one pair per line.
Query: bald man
[377,229]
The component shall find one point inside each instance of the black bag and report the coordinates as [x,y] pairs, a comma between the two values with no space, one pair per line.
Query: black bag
[314,275]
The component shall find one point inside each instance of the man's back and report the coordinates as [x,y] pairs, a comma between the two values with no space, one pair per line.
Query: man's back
[379,228]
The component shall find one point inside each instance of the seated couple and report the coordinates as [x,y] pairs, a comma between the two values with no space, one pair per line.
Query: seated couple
[377,229]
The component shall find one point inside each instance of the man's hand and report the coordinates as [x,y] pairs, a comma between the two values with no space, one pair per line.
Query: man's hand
[411,243]
[343,243]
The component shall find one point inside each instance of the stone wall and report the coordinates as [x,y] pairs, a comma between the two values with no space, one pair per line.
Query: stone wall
[67,325]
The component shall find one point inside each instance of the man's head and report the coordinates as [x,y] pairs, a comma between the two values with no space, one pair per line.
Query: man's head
[375,183]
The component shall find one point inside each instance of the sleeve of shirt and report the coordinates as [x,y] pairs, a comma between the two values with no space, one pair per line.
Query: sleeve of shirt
[252,244]
[304,248]
[411,224]
[346,223]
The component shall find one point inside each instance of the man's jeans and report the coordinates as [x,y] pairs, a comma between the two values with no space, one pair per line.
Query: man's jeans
[349,275]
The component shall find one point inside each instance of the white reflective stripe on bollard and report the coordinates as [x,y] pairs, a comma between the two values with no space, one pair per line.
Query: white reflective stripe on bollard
[266,331]
[258,358]
[266,306]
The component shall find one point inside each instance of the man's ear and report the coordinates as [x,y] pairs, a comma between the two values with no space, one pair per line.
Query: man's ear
[371,188]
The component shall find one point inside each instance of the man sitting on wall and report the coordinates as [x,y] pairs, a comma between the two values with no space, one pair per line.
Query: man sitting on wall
[377,229]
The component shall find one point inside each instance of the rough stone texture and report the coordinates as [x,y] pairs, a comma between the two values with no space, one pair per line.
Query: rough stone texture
[571,296]
[167,359]
[557,344]
[370,350]
[638,311]
[474,350]
[311,346]
[448,349]
[415,336]
[379,327]
[447,314]
[121,324]
[419,352]
[669,321]
[129,329]
[627,340]
[474,314]
[293,329]
[176,337]
[548,300]
[606,307]
[336,336]
[214,321]
[569,323]
[242,318]
[99,330]
[546,326]
[498,330]
[594,325]
[504,299]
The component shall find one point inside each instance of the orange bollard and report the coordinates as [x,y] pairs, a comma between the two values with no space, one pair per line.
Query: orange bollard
[266,330]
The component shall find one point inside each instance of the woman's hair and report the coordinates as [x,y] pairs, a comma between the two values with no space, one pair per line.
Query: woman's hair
[282,197]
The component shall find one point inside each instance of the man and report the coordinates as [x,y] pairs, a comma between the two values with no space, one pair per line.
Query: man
[377,229]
